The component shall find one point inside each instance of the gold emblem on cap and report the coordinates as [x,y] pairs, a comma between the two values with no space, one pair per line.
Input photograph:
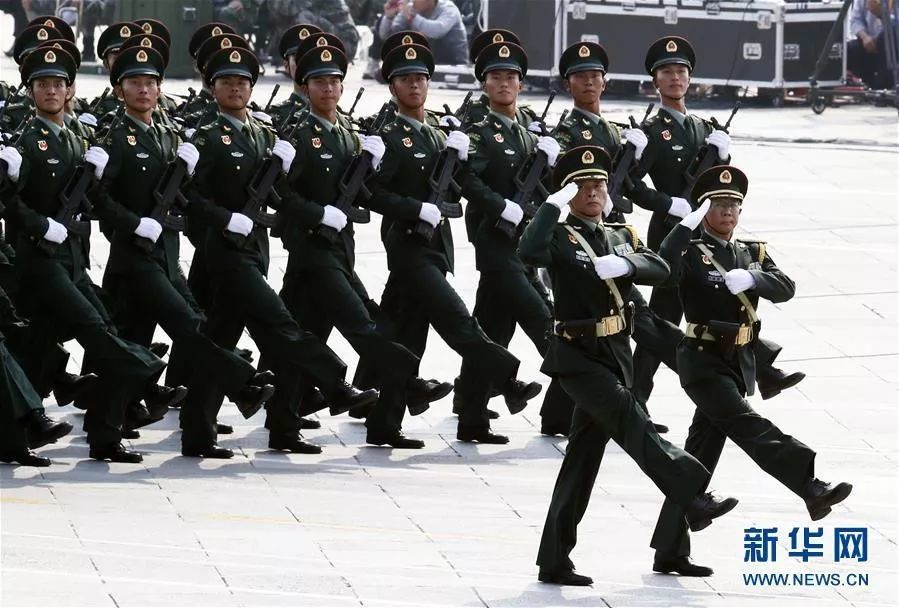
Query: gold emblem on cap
[322,41]
[234,57]
[326,55]
[407,39]
[587,157]
[141,56]
[226,43]
[42,34]
[303,33]
[725,177]
[411,54]
[504,52]
[671,47]
[49,57]
[497,37]
[146,43]
[584,51]
[216,31]
[124,31]
[147,27]
[56,45]
[49,23]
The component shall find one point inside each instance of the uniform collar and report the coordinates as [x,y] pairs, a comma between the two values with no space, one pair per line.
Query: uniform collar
[327,124]
[676,115]
[721,242]
[508,122]
[140,124]
[238,125]
[54,128]
[590,223]
[594,118]
[415,123]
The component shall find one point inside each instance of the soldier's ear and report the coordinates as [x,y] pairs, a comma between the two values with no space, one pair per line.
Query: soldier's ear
[117,89]
[566,85]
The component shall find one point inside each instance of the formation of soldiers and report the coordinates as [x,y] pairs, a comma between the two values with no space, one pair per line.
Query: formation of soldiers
[231,175]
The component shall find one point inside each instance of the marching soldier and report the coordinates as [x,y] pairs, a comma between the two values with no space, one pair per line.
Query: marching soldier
[673,139]
[232,149]
[417,293]
[108,47]
[480,107]
[321,287]
[721,280]
[288,47]
[17,111]
[203,103]
[51,253]
[591,265]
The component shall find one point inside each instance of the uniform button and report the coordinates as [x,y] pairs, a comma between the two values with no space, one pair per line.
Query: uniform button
[611,312]
[742,308]
[327,168]
[700,348]
[716,287]
[238,167]
[143,168]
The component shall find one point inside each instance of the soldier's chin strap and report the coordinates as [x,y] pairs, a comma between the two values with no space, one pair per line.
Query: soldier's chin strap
[750,309]
[610,283]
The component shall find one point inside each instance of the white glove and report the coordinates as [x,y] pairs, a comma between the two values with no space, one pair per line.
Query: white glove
[430,213]
[720,140]
[188,133]
[550,147]
[149,228]
[239,224]
[563,196]
[13,160]
[286,152]
[98,157]
[459,141]
[56,232]
[2,103]
[334,218]
[638,138]
[87,119]
[190,155]
[513,212]
[611,266]
[536,127]
[262,116]
[694,219]
[608,207]
[679,207]
[450,121]
[739,280]
[374,145]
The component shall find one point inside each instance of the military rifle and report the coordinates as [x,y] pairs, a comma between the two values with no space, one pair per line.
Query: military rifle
[3,167]
[706,158]
[623,163]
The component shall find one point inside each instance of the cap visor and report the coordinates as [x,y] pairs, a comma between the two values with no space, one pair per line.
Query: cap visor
[48,72]
[410,69]
[329,71]
[139,71]
[585,67]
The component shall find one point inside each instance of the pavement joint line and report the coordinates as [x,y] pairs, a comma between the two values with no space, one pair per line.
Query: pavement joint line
[827,358]
[846,294]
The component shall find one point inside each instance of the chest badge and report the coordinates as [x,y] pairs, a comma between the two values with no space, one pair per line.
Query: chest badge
[226,139]
[407,141]
[52,161]
[407,128]
[509,152]
[316,142]
[326,156]
[666,135]
[419,155]
[142,155]
[572,240]
[237,154]
[586,134]
[706,260]
[318,128]
[42,145]
[677,147]
[499,138]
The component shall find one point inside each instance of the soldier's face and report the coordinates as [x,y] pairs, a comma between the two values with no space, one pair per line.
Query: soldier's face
[672,80]
[232,92]
[140,93]
[49,94]
[723,215]
[411,90]
[586,87]
[590,198]
[290,65]
[502,86]
[324,92]
[110,59]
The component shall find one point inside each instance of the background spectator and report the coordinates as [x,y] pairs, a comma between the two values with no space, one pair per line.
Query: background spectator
[865,53]
[439,20]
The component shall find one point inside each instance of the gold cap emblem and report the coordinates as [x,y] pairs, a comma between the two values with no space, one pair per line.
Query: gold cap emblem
[326,55]
[497,37]
[234,57]
[146,43]
[584,51]
[504,52]
[147,27]
[322,41]
[587,158]
[411,54]
[725,177]
[216,31]
[56,45]
[49,23]
[407,40]
[671,47]
[49,57]
[303,33]
[141,56]
[226,43]
[42,34]
[124,31]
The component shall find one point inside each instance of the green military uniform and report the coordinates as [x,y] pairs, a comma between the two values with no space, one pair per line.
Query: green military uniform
[590,354]
[146,288]
[54,287]
[321,288]
[716,363]
[240,296]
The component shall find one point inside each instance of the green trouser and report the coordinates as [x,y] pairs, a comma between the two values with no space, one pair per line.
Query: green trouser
[17,399]
[605,409]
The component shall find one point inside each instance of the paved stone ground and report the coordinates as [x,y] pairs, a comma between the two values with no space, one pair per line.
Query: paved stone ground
[457,524]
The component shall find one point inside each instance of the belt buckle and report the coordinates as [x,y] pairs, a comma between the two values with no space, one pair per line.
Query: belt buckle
[611,325]
[744,335]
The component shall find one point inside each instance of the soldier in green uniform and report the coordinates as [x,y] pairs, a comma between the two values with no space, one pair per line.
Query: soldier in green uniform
[673,139]
[18,110]
[166,109]
[109,44]
[591,265]
[721,280]
[321,287]
[51,260]
[232,149]
[143,281]
[288,47]
[202,104]
[480,107]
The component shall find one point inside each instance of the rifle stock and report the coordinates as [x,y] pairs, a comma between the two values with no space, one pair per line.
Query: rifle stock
[706,158]
[624,161]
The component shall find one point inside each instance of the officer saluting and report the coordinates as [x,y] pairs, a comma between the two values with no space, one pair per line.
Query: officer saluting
[591,265]
[721,280]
